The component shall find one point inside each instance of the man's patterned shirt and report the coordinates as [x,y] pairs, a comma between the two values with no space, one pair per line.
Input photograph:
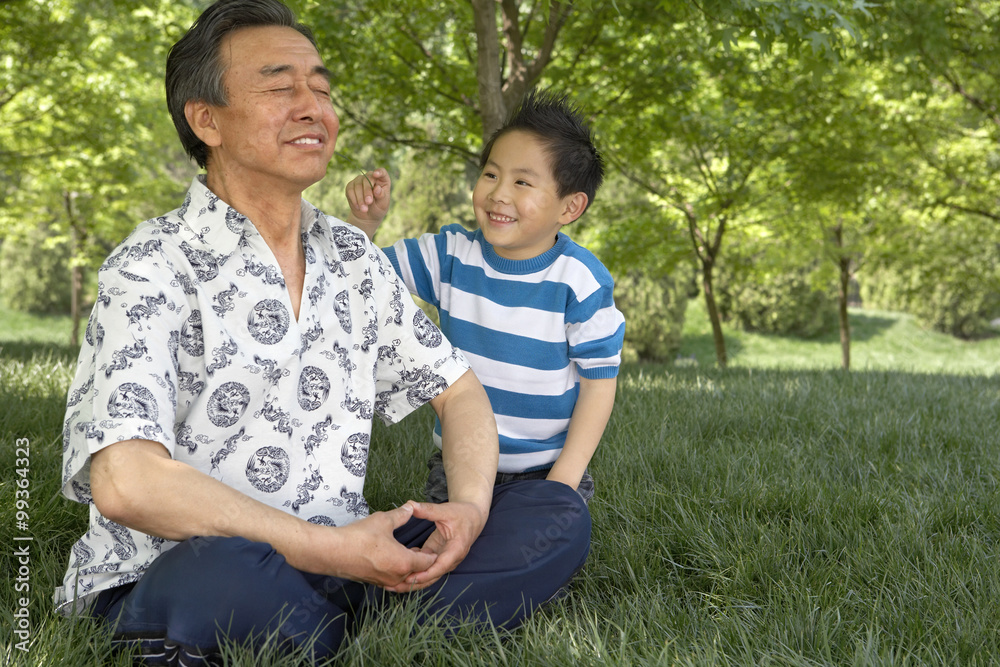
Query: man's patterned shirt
[193,344]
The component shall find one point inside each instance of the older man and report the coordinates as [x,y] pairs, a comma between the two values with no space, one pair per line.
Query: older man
[219,421]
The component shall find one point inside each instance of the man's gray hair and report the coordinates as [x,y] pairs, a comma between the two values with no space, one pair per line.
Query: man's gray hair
[195,67]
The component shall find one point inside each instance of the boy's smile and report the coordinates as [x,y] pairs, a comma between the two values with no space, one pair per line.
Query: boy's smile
[516,201]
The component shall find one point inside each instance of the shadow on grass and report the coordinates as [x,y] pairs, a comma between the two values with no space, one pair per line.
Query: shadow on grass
[25,351]
[702,347]
[864,327]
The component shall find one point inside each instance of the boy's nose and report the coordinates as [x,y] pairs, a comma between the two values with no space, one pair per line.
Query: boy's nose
[498,193]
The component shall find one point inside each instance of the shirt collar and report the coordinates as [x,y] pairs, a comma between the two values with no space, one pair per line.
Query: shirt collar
[219,226]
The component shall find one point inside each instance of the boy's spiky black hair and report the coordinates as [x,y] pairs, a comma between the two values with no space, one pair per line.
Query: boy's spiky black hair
[577,165]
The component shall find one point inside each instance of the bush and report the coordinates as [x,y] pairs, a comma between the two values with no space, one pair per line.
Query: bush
[949,278]
[654,314]
[959,307]
[34,273]
[783,302]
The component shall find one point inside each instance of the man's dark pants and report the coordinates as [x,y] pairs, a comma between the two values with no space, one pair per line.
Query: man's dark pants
[537,537]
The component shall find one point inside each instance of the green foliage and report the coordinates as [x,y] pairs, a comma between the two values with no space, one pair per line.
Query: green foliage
[34,272]
[649,256]
[654,314]
[420,88]
[86,141]
[430,192]
[782,301]
[955,289]
[757,289]
[818,28]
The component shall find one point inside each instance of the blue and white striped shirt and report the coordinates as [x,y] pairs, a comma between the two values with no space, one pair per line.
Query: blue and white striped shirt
[530,329]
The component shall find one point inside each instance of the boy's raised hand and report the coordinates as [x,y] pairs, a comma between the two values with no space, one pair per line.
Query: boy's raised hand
[368,197]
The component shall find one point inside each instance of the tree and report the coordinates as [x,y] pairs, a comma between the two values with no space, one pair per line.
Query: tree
[940,62]
[447,79]
[86,78]
[837,172]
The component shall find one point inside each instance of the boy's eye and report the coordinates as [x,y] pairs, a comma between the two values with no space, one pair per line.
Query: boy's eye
[523,183]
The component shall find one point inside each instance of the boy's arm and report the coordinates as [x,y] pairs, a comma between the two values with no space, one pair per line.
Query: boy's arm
[368,197]
[590,417]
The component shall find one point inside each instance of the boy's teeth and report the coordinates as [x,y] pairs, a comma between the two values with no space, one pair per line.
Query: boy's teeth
[305,140]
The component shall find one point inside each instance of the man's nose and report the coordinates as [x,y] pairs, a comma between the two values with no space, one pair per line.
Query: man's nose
[308,106]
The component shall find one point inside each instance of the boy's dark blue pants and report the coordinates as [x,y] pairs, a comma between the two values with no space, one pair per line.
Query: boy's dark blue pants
[536,538]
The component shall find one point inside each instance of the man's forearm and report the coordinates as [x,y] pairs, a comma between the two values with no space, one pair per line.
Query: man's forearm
[137,484]
[470,446]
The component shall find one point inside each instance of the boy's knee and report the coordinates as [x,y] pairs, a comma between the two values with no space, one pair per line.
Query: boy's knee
[553,516]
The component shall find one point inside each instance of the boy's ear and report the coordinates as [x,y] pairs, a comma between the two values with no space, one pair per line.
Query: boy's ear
[202,121]
[575,205]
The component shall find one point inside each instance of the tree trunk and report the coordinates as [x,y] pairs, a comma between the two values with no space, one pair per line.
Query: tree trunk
[706,252]
[845,324]
[844,264]
[713,312]
[76,271]
[76,285]
[491,105]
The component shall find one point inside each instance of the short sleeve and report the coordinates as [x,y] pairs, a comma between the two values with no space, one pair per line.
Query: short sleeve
[595,330]
[415,361]
[126,380]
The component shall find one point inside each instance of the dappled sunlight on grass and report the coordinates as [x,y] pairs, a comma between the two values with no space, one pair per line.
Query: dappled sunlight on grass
[879,341]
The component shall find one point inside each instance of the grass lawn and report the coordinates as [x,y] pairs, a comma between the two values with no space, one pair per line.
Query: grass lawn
[780,512]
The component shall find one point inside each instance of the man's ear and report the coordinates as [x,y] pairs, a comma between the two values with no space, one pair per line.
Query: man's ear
[201,118]
[574,206]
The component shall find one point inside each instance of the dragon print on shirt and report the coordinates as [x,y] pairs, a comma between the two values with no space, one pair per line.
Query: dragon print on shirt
[305,490]
[355,503]
[350,244]
[267,469]
[94,334]
[269,370]
[269,274]
[120,358]
[354,454]
[220,356]
[427,333]
[228,403]
[143,311]
[396,305]
[318,436]
[268,321]
[229,447]
[132,400]
[314,388]
[281,418]
[341,305]
[192,337]
[224,299]
[203,262]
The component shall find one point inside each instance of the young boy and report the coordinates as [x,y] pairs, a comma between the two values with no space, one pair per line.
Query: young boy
[531,310]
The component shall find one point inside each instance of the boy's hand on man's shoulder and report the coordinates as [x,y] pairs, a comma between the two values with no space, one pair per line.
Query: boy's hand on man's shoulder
[368,197]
